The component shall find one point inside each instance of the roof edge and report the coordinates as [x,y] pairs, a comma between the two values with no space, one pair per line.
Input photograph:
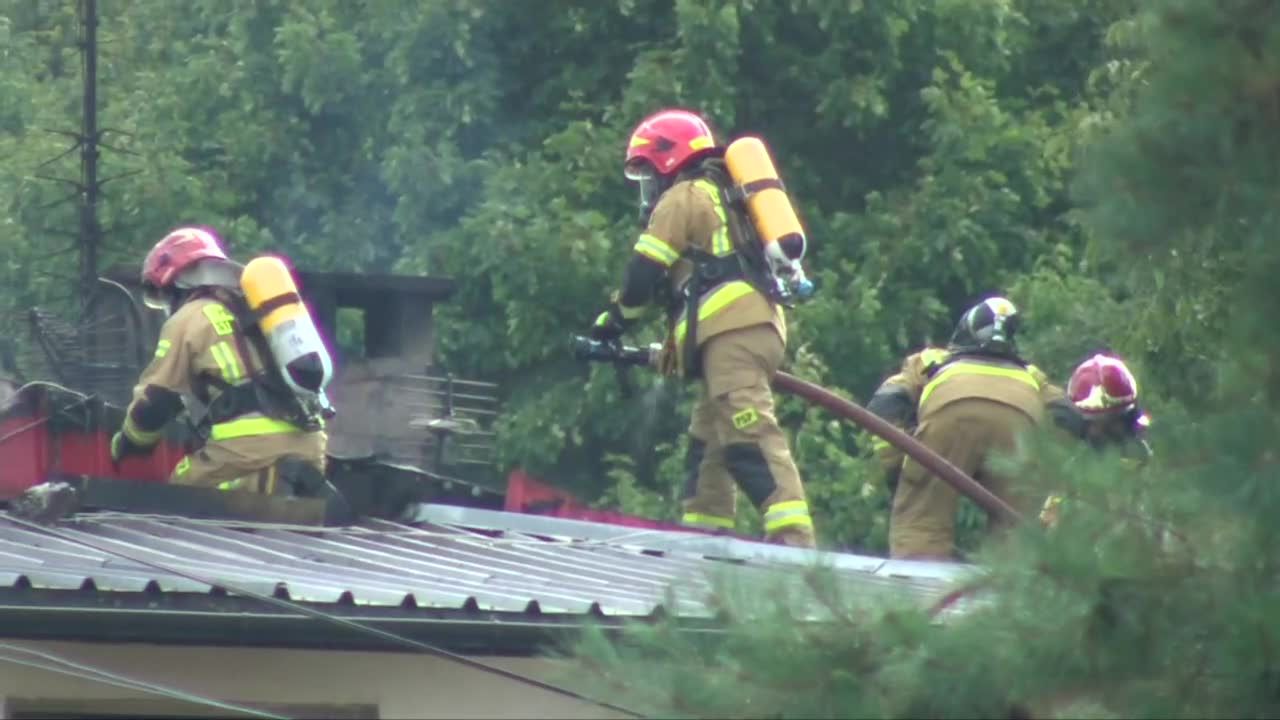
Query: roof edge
[231,621]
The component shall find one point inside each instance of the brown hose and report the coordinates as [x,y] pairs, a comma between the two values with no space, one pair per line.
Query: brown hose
[872,423]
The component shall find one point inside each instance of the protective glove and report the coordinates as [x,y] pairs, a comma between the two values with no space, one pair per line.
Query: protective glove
[609,325]
[1138,420]
[1050,512]
[122,447]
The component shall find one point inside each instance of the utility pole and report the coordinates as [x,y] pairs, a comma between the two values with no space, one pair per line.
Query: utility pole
[106,319]
[90,238]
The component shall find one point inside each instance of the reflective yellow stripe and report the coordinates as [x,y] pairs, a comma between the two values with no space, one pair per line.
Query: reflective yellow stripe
[245,427]
[137,435]
[233,362]
[228,362]
[711,521]
[656,250]
[787,514]
[217,351]
[238,483]
[933,357]
[718,300]
[720,242]
[162,348]
[964,368]
[224,323]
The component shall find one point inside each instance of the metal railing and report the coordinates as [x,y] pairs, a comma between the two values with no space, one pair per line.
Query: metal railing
[100,352]
[457,415]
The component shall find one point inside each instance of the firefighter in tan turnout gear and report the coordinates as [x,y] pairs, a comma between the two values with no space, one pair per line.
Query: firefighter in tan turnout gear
[725,329]
[968,402]
[255,438]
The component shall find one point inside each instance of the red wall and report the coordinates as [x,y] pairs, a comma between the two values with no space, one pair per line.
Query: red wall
[526,494]
[32,449]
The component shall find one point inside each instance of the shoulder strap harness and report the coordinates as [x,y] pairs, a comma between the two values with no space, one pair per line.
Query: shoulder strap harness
[265,392]
[744,262]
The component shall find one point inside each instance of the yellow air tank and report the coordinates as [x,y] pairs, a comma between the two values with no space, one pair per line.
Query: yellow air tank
[297,349]
[772,214]
[770,208]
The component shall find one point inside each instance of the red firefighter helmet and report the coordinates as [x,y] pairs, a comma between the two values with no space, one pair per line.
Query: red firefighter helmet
[667,141]
[176,253]
[662,145]
[1102,385]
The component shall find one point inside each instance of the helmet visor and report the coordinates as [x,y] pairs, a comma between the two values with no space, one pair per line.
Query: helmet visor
[638,170]
[650,183]
[154,298]
[650,189]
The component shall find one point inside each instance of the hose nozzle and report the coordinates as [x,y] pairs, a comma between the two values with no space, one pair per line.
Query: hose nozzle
[587,350]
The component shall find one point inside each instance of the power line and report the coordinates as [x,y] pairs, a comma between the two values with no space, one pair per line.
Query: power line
[321,615]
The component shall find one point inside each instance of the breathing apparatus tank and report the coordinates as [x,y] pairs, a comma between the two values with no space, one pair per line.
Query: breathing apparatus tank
[297,349]
[772,213]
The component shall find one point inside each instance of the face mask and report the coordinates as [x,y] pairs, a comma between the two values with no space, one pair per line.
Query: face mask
[649,193]
[651,187]
[154,298]
[157,299]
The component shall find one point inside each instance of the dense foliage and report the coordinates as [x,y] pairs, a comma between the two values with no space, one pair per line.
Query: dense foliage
[928,144]
[1155,594]
[1109,164]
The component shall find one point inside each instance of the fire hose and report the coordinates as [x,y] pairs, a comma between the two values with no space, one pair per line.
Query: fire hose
[619,355]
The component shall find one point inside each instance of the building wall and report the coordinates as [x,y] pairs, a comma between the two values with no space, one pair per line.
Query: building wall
[375,407]
[292,683]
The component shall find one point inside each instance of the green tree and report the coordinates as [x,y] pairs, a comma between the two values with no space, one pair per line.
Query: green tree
[928,145]
[928,153]
[1153,595]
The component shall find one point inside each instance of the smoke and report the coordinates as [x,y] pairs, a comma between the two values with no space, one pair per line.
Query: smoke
[654,413]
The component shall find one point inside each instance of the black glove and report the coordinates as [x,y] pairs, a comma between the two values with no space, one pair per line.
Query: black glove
[609,325]
[122,447]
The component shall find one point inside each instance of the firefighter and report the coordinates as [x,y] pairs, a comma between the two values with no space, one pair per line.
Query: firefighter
[1104,393]
[966,402]
[253,443]
[725,330]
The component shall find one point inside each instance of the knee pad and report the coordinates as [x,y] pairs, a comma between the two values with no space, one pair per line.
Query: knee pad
[303,478]
[747,465]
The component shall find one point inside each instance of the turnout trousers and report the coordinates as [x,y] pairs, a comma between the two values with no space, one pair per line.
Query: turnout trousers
[967,433]
[735,441]
[249,463]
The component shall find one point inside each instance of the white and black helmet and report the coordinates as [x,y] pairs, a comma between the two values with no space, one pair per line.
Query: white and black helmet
[988,327]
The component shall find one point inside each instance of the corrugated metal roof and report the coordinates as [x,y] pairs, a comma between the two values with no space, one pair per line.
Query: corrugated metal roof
[448,559]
